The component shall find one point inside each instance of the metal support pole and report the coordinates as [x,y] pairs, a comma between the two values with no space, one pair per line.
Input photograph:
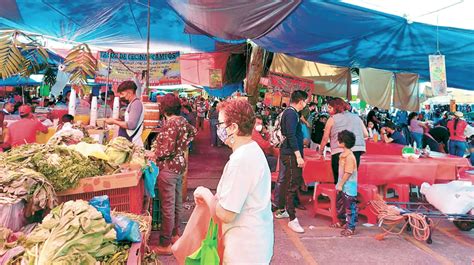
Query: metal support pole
[147,85]
[107,83]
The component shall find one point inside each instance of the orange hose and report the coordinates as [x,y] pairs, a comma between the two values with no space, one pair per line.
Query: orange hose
[390,218]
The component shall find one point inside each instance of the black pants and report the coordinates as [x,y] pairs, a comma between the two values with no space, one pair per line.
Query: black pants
[289,185]
[335,163]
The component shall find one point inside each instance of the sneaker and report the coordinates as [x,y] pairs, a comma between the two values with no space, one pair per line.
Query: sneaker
[281,214]
[295,226]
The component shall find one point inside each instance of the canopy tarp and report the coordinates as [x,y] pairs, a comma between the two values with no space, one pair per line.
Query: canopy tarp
[341,34]
[116,24]
[225,91]
[19,81]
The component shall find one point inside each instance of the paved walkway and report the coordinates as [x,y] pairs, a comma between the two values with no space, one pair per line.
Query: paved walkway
[321,244]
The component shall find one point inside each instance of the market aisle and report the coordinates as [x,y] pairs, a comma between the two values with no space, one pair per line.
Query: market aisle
[206,163]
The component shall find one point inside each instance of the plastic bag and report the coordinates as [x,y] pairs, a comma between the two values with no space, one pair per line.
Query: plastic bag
[207,254]
[456,197]
[127,230]
[151,173]
[102,204]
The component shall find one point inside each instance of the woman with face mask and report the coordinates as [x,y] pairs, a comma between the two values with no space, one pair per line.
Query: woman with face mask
[261,136]
[243,195]
[131,127]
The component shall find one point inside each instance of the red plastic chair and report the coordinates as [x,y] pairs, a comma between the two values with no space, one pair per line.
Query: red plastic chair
[325,208]
[402,190]
[367,193]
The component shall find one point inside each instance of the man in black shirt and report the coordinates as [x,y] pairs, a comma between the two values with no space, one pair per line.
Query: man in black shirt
[372,116]
[437,139]
[291,155]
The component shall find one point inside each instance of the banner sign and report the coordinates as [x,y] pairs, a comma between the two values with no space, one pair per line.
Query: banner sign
[287,84]
[164,67]
[438,75]
[215,78]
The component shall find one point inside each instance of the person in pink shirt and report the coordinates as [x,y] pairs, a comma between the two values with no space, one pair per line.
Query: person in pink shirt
[24,131]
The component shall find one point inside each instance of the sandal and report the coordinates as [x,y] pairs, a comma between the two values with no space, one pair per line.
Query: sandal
[347,232]
[337,225]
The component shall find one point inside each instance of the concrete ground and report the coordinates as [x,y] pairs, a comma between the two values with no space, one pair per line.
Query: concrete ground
[321,244]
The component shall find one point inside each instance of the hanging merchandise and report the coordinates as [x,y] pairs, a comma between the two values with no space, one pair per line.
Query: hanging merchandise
[215,78]
[438,75]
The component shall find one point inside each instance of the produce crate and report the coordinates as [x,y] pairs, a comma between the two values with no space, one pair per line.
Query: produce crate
[125,191]
[137,250]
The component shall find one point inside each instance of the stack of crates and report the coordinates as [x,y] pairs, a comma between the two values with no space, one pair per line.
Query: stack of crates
[156,213]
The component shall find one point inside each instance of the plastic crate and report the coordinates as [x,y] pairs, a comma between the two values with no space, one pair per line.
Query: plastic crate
[125,191]
[156,213]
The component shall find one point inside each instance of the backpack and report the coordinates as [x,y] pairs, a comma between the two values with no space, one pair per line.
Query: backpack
[276,137]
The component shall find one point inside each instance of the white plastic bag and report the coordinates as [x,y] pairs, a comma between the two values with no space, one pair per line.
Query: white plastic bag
[456,197]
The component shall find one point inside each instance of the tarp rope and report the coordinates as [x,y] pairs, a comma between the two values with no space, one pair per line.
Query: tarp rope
[390,218]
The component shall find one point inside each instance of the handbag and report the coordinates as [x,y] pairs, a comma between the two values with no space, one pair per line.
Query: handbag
[206,254]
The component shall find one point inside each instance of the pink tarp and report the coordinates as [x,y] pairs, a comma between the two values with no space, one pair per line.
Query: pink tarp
[195,67]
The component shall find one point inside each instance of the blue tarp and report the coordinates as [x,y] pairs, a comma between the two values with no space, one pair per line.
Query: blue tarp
[112,24]
[226,91]
[18,81]
[340,34]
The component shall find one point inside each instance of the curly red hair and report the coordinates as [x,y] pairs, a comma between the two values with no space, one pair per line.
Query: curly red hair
[170,104]
[339,105]
[240,112]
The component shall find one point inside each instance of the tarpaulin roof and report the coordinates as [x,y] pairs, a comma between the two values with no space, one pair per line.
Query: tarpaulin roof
[342,34]
[117,24]
[19,81]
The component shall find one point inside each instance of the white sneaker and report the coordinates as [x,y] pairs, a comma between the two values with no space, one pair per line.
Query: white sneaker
[281,214]
[295,226]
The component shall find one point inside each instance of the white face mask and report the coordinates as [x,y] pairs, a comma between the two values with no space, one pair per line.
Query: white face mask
[259,128]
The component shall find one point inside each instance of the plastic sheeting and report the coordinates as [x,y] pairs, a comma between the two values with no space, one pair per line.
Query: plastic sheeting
[345,35]
[231,20]
[406,92]
[19,81]
[195,68]
[328,80]
[225,91]
[116,24]
[375,87]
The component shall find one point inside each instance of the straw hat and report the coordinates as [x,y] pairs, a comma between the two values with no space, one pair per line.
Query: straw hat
[458,114]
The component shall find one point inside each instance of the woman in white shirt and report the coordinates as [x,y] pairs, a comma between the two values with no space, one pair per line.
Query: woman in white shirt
[244,191]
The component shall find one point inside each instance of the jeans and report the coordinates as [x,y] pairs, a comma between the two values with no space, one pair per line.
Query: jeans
[335,163]
[457,148]
[418,138]
[214,123]
[169,192]
[347,209]
[289,185]
[272,162]
[200,123]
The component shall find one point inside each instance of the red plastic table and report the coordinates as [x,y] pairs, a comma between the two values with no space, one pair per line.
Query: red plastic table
[382,148]
[383,169]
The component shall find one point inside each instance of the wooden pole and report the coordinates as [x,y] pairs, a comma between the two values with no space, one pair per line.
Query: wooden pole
[107,84]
